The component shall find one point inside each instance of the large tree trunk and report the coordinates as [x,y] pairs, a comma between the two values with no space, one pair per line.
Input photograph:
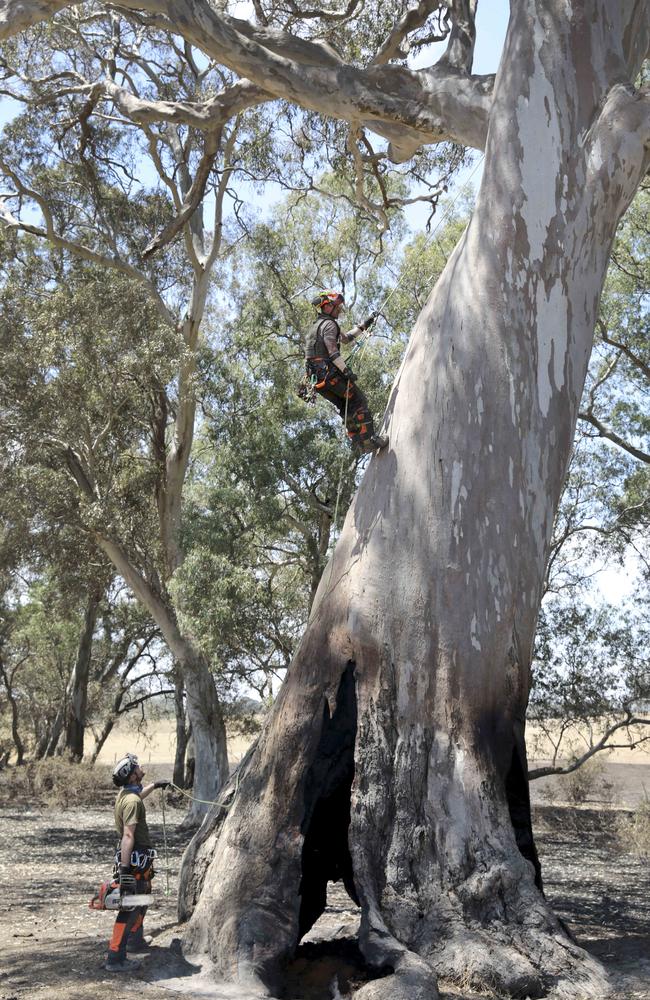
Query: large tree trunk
[77,691]
[394,757]
[7,680]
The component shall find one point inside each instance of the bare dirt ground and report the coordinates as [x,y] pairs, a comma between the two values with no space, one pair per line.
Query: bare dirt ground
[52,945]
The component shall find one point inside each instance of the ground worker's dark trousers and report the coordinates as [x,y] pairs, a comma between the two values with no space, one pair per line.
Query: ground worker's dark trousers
[348,399]
[128,925]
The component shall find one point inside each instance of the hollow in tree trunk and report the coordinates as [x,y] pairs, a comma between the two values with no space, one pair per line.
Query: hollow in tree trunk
[394,757]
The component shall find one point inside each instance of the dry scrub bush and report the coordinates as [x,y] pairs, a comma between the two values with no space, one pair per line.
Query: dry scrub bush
[634,830]
[54,782]
[586,784]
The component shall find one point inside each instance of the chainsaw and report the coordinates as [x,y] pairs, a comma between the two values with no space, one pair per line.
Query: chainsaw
[109,898]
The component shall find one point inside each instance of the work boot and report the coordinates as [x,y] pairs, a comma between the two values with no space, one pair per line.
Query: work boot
[139,943]
[375,443]
[121,964]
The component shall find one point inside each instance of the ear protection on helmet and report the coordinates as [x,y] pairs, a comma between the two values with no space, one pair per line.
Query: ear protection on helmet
[328,298]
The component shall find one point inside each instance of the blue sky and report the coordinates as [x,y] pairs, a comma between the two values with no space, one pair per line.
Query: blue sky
[491,24]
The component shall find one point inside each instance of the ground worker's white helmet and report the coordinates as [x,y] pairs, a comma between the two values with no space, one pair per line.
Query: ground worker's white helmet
[123,768]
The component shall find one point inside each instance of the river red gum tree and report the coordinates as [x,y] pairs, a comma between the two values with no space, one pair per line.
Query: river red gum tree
[394,756]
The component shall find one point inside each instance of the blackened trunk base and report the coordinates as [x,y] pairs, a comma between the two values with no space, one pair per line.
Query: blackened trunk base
[326,853]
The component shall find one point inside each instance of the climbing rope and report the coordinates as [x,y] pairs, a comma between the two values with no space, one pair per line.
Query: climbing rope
[338,492]
[193,798]
[164,826]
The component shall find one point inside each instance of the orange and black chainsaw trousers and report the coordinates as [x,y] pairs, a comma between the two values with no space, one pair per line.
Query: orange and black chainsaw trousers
[128,923]
[348,399]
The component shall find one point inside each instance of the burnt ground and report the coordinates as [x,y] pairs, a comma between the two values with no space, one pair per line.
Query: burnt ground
[52,945]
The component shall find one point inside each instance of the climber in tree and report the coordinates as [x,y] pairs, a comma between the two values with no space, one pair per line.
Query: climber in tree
[334,380]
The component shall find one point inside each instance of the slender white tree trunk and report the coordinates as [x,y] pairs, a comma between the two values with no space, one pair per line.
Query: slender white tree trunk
[394,757]
[203,708]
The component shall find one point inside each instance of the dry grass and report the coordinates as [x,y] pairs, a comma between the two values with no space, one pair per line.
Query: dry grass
[634,830]
[56,783]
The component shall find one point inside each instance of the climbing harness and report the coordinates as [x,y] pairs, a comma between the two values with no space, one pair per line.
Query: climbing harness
[307,388]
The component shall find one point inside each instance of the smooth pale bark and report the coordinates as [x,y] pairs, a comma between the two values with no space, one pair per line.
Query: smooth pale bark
[403,712]
[409,107]
[203,706]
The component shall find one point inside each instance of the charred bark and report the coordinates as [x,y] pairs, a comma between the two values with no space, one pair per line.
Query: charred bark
[182,736]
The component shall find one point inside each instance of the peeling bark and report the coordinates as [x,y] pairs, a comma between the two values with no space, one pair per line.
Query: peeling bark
[431,598]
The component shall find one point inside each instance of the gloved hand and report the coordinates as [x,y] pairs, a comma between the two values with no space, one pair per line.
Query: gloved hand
[369,321]
[161,784]
[127,880]
[348,374]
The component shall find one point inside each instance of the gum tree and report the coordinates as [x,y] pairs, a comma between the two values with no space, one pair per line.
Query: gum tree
[394,756]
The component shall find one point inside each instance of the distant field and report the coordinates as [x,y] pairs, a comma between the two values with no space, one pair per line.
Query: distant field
[157,745]
[627,770]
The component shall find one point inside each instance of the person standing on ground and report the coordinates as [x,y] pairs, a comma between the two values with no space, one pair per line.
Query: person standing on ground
[133,861]
[334,380]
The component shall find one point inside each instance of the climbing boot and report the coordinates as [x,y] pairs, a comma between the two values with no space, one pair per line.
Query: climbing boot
[375,443]
[127,965]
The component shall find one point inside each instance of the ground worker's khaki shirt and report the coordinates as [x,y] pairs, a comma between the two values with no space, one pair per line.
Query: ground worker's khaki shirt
[129,810]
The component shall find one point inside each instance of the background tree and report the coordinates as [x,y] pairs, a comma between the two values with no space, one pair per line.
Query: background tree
[120,150]
[432,672]
[97,212]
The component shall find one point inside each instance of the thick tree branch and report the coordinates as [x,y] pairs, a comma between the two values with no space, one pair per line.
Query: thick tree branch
[17,15]
[602,744]
[207,116]
[621,140]
[409,107]
[412,19]
[192,199]
[324,15]
[162,614]
[611,435]
[460,50]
